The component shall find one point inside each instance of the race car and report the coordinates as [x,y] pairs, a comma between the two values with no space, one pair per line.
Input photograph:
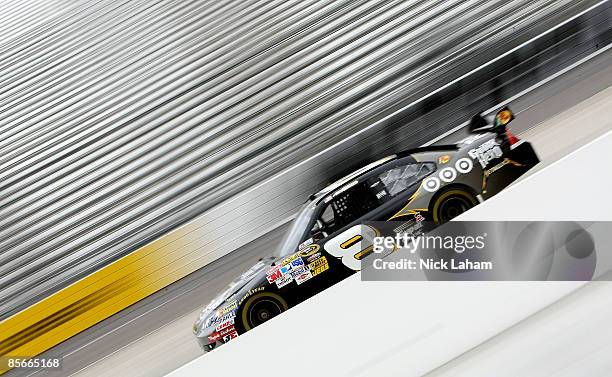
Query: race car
[435,183]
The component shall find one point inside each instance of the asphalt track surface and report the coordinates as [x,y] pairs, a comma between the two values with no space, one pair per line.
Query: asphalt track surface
[154,336]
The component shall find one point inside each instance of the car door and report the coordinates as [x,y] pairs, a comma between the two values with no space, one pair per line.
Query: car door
[380,195]
[395,185]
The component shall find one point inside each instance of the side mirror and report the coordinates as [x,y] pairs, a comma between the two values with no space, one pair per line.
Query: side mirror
[479,123]
[503,117]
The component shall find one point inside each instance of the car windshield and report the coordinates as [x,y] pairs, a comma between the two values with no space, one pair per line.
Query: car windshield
[298,229]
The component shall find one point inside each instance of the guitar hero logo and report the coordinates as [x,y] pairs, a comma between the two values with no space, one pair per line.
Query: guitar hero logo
[486,152]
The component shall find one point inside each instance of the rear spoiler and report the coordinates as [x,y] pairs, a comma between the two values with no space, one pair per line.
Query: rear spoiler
[479,123]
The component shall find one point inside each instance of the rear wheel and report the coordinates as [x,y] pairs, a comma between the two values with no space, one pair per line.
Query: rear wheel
[451,204]
[261,307]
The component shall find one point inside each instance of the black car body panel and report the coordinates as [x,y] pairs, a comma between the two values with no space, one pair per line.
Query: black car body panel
[321,248]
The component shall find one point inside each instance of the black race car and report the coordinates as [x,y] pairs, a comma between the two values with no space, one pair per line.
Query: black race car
[433,183]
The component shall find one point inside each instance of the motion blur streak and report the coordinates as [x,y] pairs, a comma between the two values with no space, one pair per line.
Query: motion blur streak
[156,333]
[123,120]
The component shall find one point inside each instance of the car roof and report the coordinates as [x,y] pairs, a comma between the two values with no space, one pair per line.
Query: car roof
[349,178]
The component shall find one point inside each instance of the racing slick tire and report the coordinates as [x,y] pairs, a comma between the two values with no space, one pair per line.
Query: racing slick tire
[451,203]
[260,308]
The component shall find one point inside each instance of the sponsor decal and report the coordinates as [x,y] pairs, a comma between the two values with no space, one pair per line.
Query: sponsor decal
[305,243]
[298,270]
[273,274]
[225,324]
[284,280]
[313,257]
[464,165]
[295,263]
[310,250]
[318,266]
[304,276]
[503,117]
[226,316]
[380,194]
[254,290]
[214,337]
[223,330]
[227,330]
[411,227]
[249,293]
[227,308]
[418,217]
[289,259]
[443,159]
[432,184]
[448,174]
[224,319]
[230,336]
[486,152]
[285,269]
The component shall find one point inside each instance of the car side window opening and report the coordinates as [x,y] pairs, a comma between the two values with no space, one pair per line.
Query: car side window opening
[399,178]
[327,217]
[346,207]
[354,202]
[323,224]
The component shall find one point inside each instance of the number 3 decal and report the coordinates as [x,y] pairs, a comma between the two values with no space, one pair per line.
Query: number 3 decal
[352,245]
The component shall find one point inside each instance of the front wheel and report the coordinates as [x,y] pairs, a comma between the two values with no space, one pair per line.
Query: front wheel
[261,307]
[451,204]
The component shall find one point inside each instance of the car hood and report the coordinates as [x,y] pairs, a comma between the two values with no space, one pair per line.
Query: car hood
[210,313]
